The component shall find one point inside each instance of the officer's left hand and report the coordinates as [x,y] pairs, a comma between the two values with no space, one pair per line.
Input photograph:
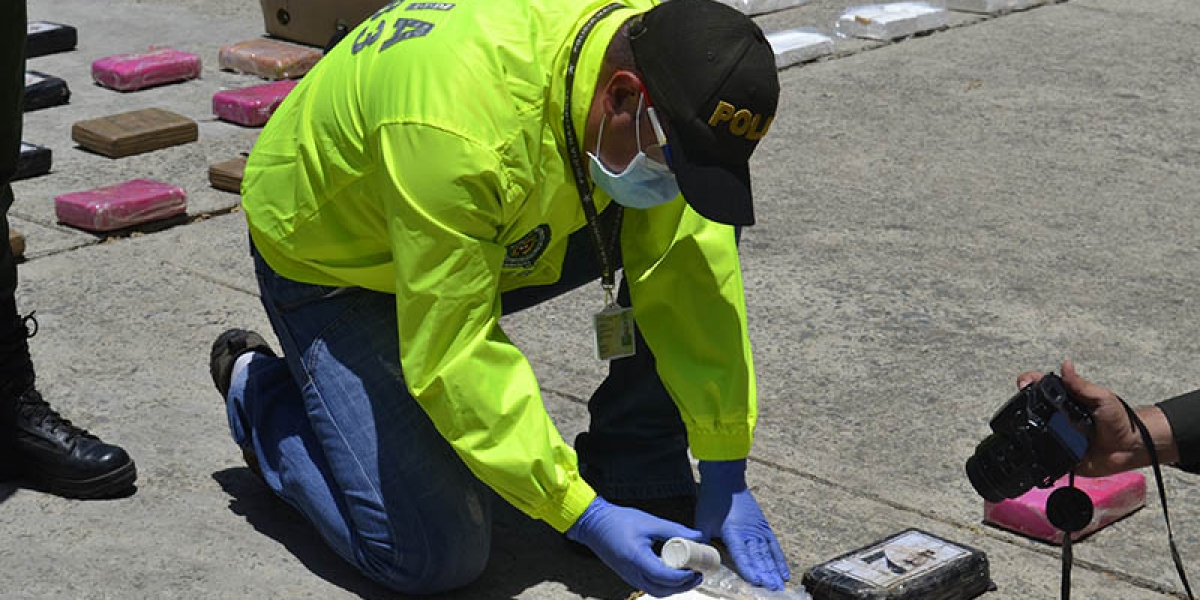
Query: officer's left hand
[726,509]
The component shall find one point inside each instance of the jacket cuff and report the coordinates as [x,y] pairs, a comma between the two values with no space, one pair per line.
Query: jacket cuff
[729,444]
[1183,414]
[563,514]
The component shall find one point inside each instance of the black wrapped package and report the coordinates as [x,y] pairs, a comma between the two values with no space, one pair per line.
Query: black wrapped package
[44,91]
[910,565]
[34,161]
[47,38]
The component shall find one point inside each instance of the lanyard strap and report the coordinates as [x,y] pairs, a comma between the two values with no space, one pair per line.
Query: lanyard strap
[603,250]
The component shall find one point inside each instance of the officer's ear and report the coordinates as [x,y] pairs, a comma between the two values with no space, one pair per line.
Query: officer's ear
[621,94]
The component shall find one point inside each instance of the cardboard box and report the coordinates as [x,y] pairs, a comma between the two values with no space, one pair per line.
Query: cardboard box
[134,132]
[314,22]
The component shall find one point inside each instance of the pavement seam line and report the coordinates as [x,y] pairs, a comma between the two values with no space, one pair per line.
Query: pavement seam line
[210,278]
[103,238]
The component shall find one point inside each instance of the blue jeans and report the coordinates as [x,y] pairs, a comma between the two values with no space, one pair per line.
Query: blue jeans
[338,436]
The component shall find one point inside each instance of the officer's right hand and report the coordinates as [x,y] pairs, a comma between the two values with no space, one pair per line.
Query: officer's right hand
[622,538]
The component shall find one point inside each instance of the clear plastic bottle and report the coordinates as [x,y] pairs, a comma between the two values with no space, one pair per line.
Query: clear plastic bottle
[719,580]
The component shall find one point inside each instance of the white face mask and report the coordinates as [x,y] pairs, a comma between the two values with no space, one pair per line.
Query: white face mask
[645,182]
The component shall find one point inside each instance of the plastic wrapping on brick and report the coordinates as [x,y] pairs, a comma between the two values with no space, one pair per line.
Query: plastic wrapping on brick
[268,59]
[46,37]
[157,66]
[759,7]
[251,106]
[911,565]
[891,21]
[990,7]
[802,44]
[44,91]
[33,161]
[127,204]
[1113,498]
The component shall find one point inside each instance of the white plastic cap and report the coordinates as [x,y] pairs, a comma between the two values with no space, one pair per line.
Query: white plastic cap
[679,553]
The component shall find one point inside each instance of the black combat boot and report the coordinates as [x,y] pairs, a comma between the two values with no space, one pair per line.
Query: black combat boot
[46,450]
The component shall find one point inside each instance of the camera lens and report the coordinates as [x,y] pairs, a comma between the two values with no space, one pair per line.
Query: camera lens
[1000,468]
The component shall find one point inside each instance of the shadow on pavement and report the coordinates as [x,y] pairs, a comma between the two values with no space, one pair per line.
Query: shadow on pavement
[525,553]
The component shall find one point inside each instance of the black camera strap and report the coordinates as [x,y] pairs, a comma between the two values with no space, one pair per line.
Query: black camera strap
[1067,558]
[1070,510]
[1162,494]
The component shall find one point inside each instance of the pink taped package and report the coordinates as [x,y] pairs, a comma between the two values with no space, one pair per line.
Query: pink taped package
[128,72]
[123,205]
[251,106]
[1114,497]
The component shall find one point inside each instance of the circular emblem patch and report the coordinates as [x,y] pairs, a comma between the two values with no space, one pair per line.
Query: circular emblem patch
[523,253]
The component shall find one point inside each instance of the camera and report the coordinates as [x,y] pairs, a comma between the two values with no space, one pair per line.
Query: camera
[1039,435]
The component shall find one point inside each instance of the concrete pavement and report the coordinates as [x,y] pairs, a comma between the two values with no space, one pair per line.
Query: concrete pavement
[935,216]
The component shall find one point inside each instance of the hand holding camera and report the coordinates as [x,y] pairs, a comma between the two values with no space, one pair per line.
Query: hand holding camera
[1040,434]
[1054,426]
[1116,446]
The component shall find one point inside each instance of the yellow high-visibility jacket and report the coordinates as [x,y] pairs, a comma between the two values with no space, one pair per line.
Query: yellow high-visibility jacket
[424,157]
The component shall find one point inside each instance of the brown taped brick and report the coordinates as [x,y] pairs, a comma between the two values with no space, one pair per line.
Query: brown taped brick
[134,132]
[17,242]
[227,175]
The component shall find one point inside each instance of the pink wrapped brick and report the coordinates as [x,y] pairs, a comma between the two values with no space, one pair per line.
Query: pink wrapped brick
[251,106]
[123,205]
[1114,497]
[128,72]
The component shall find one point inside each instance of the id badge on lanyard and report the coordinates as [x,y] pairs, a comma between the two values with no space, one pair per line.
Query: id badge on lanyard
[613,325]
[614,332]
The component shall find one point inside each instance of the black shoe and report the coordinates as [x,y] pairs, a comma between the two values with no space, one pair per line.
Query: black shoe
[225,351]
[44,448]
[64,459]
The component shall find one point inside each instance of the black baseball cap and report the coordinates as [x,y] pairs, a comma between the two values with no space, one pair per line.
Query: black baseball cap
[709,69]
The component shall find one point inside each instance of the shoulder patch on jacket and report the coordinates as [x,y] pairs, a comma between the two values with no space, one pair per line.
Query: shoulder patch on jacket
[523,253]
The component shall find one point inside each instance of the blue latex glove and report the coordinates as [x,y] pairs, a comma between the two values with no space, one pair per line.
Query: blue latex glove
[726,509]
[622,538]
